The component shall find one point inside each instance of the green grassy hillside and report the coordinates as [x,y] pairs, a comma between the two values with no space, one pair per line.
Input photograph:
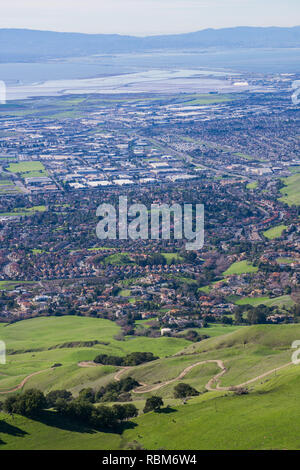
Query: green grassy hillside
[291,190]
[240,267]
[282,301]
[275,232]
[37,344]
[267,418]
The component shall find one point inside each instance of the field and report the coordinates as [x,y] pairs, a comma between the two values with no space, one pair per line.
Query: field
[275,232]
[240,267]
[99,248]
[252,185]
[125,293]
[36,344]
[23,211]
[183,279]
[283,301]
[118,259]
[24,167]
[247,422]
[62,108]
[28,169]
[6,183]
[169,257]
[294,169]
[204,99]
[248,157]
[268,417]
[286,260]
[10,285]
[207,289]
[209,422]
[291,191]
[214,329]
[7,186]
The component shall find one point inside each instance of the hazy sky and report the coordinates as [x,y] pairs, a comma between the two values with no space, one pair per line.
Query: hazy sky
[143,17]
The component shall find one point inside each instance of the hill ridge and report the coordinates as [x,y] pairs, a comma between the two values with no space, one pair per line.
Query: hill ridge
[29,44]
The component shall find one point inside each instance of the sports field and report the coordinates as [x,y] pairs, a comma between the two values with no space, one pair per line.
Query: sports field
[28,169]
[25,167]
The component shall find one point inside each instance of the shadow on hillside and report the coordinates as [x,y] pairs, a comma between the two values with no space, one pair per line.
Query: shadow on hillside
[54,420]
[7,428]
[166,410]
[123,427]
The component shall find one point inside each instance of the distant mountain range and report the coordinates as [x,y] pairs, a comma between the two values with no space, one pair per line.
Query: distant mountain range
[32,45]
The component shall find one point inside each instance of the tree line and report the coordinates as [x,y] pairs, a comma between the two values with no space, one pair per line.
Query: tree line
[32,403]
[132,359]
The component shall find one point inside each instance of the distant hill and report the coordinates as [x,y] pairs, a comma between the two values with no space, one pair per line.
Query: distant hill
[26,45]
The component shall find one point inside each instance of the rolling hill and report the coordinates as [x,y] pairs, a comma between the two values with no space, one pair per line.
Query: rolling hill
[30,45]
[217,419]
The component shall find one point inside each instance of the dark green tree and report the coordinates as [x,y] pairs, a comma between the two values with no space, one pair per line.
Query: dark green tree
[153,403]
[183,390]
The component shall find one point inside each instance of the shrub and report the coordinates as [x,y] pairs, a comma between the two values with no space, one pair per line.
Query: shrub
[29,403]
[132,359]
[130,411]
[54,395]
[114,391]
[137,358]
[153,403]
[108,360]
[183,390]
[87,394]
[103,417]
[241,391]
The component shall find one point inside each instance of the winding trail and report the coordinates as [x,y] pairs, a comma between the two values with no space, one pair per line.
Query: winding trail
[24,381]
[248,381]
[146,388]
[87,364]
[120,372]
[212,385]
